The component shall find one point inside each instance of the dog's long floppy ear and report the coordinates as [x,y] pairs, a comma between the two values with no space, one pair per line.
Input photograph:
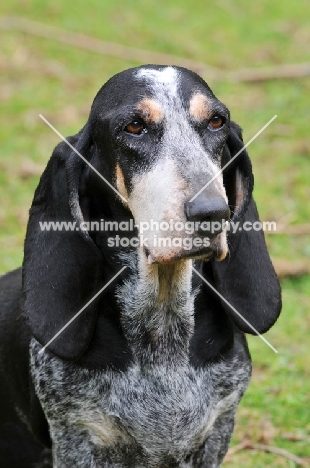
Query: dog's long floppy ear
[246,278]
[62,269]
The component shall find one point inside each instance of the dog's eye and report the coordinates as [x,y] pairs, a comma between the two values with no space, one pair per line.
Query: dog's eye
[136,127]
[216,122]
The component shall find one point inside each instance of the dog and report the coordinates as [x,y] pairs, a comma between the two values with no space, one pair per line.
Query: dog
[150,373]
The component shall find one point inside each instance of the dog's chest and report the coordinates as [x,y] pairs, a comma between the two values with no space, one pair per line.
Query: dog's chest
[131,417]
[161,410]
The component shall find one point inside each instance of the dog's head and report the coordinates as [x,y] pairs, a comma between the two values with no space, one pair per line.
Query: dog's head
[160,137]
[161,141]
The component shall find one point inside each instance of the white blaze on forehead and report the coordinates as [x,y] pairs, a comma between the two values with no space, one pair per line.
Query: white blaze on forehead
[165,80]
[164,88]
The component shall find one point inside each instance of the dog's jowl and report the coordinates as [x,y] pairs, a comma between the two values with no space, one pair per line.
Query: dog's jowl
[120,342]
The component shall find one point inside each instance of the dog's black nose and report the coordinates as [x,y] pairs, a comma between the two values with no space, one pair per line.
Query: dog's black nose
[210,212]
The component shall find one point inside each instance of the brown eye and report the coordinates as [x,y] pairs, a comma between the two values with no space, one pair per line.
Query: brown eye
[216,122]
[135,127]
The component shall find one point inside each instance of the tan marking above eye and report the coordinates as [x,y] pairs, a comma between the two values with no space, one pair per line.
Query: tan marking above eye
[151,110]
[200,107]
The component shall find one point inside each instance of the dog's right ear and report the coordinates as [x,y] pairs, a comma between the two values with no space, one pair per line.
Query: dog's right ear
[62,269]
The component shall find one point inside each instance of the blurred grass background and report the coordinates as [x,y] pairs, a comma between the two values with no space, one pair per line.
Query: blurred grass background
[60,81]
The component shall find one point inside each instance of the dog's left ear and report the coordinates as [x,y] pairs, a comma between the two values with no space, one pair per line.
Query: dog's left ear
[246,278]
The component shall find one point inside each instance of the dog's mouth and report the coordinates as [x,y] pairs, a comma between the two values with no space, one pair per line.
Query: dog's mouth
[217,250]
[205,256]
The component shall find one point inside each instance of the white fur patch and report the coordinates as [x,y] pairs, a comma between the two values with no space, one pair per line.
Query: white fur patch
[165,80]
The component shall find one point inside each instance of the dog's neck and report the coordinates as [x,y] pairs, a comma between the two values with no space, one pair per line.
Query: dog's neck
[157,315]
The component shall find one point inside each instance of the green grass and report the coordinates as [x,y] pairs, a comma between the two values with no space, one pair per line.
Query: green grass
[59,81]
